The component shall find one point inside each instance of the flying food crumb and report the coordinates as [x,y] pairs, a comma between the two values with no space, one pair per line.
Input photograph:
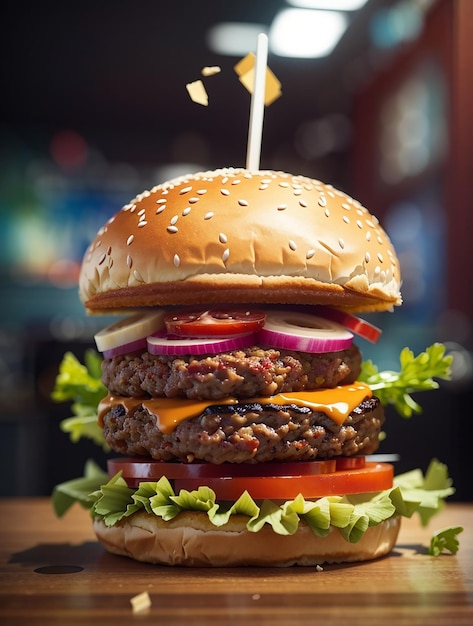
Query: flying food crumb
[319,568]
[210,70]
[197,92]
[141,602]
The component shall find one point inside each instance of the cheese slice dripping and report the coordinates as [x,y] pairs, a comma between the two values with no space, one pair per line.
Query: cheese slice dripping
[336,403]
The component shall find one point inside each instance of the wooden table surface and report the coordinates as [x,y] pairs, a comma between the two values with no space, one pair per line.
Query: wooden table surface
[54,572]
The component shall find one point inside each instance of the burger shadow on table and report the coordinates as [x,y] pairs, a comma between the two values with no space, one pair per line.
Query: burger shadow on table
[66,558]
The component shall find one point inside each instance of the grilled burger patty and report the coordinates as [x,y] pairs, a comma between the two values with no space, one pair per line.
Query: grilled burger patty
[246,373]
[246,433]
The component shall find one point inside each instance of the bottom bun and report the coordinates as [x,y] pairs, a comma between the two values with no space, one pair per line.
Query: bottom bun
[191,540]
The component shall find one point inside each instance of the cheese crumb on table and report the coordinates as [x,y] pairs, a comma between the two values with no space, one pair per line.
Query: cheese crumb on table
[141,602]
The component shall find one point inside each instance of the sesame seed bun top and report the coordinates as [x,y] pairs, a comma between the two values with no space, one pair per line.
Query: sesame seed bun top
[235,236]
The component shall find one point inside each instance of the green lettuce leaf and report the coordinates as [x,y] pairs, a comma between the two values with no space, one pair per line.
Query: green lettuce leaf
[78,489]
[425,494]
[81,384]
[445,539]
[417,373]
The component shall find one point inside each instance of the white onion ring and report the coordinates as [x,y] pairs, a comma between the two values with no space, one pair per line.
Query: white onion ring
[303,332]
[172,345]
[133,346]
[129,331]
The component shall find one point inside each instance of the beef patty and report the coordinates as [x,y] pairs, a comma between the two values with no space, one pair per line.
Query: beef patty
[246,433]
[253,372]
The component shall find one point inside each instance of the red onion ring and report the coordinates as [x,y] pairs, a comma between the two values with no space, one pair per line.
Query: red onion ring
[172,345]
[303,332]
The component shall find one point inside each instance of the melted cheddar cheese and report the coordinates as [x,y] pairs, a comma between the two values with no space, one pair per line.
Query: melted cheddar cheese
[336,403]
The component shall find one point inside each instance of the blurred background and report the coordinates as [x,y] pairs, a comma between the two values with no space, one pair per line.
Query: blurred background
[376,100]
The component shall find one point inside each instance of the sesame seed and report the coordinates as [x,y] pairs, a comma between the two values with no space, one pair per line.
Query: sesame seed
[292,245]
[370,223]
[201,192]
[184,190]
[141,212]
[225,180]
[142,223]
[303,203]
[225,255]
[209,215]
[380,257]
[346,206]
[161,201]
[224,192]
[237,181]
[282,184]
[222,238]
[243,202]
[380,240]
[102,258]
[327,213]
[346,219]
[160,209]
[367,257]
[263,186]
[282,207]
[193,200]
[130,239]
[129,261]
[172,229]
[359,224]
[186,211]
[341,243]
[368,236]
[310,253]
[177,260]
[174,219]
[297,192]
[322,200]
[138,276]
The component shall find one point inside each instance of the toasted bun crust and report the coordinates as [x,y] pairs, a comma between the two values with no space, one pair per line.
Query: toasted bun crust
[191,540]
[237,236]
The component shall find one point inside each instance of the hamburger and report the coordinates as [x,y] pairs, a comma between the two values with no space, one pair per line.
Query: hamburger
[241,431]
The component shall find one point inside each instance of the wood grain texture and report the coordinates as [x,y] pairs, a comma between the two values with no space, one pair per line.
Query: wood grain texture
[89,586]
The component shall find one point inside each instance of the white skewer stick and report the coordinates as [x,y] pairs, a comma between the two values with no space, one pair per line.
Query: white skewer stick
[257,104]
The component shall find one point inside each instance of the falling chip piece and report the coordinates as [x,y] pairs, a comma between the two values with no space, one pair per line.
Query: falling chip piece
[210,70]
[197,92]
[246,73]
[141,602]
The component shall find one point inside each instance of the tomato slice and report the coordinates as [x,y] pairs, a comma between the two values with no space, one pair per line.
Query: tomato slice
[312,479]
[135,470]
[373,477]
[359,326]
[213,322]
[350,462]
